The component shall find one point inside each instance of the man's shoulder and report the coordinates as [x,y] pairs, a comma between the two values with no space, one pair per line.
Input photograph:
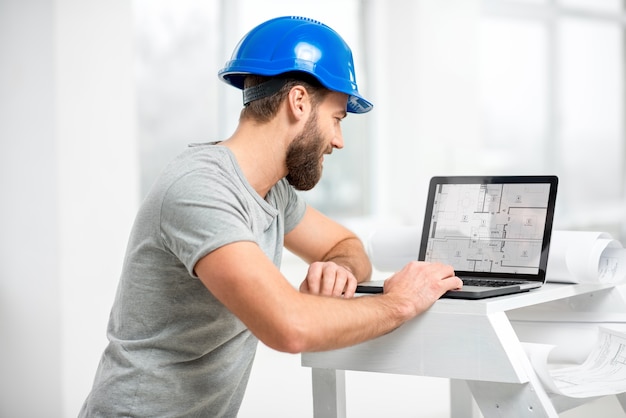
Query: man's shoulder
[200,164]
[205,158]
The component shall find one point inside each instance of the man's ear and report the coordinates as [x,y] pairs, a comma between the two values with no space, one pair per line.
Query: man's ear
[298,102]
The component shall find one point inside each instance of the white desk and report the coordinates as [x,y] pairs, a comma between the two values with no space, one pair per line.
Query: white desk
[468,341]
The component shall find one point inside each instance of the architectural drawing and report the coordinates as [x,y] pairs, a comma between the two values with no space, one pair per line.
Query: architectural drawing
[497,228]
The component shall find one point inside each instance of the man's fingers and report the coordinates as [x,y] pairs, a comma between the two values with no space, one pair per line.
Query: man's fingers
[329,279]
[453,283]
[313,278]
[350,286]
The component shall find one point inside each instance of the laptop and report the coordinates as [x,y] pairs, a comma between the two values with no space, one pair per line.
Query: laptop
[494,230]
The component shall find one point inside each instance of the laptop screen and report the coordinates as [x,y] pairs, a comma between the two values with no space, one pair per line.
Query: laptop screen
[490,225]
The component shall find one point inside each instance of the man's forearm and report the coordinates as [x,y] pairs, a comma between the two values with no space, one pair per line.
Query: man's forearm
[351,254]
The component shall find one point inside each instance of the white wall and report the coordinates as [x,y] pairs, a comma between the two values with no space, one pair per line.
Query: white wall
[29,270]
[423,65]
[69,176]
[98,175]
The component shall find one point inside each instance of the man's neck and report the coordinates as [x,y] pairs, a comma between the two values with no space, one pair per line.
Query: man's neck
[260,152]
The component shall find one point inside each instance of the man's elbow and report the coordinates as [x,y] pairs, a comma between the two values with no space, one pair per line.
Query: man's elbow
[287,338]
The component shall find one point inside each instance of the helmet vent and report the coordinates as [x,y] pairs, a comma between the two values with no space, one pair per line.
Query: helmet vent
[307,19]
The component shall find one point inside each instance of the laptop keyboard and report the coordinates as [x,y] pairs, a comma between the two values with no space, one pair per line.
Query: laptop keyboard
[488,283]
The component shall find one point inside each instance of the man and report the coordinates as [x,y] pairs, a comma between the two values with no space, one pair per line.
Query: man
[201,282]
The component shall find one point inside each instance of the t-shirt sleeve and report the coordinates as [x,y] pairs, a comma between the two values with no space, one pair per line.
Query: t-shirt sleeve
[201,213]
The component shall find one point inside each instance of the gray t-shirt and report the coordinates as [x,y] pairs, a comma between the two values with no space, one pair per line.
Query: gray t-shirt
[174,349]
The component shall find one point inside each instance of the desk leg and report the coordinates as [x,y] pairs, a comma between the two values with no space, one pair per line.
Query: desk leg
[461,401]
[329,393]
[622,400]
[512,400]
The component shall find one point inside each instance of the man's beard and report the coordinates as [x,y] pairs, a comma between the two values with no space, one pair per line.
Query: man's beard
[304,168]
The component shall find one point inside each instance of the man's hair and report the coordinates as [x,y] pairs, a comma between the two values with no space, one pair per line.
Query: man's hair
[264,109]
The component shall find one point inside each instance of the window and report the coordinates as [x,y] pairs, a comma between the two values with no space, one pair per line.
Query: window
[494,86]
[553,80]
[181,46]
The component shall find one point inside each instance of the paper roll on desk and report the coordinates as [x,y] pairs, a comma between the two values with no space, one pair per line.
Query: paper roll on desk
[585,257]
[392,248]
[575,256]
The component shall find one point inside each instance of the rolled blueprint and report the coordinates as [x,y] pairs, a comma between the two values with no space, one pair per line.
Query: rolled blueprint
[575,256]
[392,248]
[585,257]
[602,373]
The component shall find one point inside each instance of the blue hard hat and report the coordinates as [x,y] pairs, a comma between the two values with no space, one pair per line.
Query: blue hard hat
[291,43]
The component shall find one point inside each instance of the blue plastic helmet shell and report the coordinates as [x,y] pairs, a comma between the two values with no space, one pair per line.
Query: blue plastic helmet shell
[291,43]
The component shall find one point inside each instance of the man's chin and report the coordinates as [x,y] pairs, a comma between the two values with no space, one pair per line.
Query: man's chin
[302,186]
